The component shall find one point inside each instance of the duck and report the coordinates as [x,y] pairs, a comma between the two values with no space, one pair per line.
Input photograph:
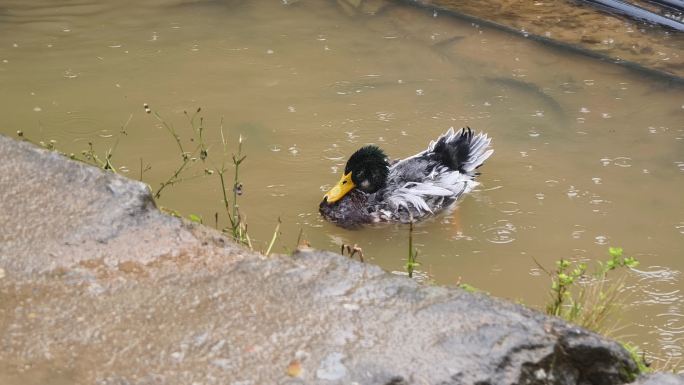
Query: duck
[373,190]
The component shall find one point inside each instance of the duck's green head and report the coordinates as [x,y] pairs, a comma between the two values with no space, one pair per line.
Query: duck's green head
[366,170]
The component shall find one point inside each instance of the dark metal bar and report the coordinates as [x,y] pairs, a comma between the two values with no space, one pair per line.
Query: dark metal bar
[672,4]
[636,12]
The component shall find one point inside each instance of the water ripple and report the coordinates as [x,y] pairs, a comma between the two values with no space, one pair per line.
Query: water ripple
[509,207]
[660,287]
[503,231]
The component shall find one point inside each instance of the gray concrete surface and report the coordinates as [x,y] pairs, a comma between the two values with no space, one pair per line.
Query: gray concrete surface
[98,287]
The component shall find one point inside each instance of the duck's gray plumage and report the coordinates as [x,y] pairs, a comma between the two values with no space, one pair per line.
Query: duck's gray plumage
[418,186]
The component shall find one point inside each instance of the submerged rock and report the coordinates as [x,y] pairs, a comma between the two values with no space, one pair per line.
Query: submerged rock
[196,309]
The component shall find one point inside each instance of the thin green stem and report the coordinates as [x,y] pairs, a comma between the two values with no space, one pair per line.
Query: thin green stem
[273,239]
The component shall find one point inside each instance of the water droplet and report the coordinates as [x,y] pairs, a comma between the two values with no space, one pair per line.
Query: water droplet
[596,180]
[269,51]
[601,240]
[533,133]
[37,109]
[351,135]
[419,92]
[584,110]
[572,192]
[622,161]
[596,200]
[291,109]
[680,165]
[540,196]
[503,231]
[509,207]
[294,150]
[576,234]
[384,116]
[69,74]
[680,227]
[605,115]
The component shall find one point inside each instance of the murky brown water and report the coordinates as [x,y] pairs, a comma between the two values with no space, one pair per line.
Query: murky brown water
[588,154]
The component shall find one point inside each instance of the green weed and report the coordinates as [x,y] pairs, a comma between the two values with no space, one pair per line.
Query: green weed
[412,261]
[588,299]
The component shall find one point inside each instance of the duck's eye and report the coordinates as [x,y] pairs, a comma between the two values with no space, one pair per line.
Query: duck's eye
[344,182]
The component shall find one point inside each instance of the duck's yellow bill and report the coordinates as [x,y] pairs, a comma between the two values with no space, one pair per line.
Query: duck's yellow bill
[341,189]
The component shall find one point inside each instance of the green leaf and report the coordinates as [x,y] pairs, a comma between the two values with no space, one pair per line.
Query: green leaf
[468,288]
[195,218]
[615,252]
[631,262]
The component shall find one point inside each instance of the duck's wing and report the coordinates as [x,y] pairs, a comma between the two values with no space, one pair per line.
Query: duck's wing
[436,177]
[460,150]
[422,186]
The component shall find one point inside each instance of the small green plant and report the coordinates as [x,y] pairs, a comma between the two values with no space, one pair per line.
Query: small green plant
[238,227]
[587,299]
[412,261]
[195,218]
[192,151]
[187,157]
[276,233]
[89,155]
[469,288]
[638,357]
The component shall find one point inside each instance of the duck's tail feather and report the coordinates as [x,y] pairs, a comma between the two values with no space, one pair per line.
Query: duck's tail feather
[461,150]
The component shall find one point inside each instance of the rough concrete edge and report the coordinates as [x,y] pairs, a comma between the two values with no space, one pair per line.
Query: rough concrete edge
[634,66]
[141,204]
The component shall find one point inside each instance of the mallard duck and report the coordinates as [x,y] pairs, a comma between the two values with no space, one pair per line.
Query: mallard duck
[372,190]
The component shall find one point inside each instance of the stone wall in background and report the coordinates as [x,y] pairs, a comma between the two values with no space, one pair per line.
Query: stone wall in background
[571,23]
